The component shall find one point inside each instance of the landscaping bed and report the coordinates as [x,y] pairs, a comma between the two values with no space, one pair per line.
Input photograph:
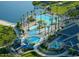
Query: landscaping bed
[31,54]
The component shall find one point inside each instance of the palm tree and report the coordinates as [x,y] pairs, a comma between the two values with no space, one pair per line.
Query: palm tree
[31,13]
[35,18]
[28,21]
[55,24]
[23,18]
[21,21]
[34,15]
[45,27]
[51,19]
[40,22]
[39,27]
[48,29]
[58,23]
[57,19]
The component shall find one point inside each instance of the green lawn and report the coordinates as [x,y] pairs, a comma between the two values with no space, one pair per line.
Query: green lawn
[31,54]
[7,35]
[61,7]
[6,55]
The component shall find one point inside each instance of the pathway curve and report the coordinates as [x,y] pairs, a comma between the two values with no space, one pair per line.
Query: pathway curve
[43,54]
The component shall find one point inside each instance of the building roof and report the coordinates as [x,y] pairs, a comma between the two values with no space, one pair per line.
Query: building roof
[70,30]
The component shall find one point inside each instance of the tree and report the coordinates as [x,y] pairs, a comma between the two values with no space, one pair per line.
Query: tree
[34,13]
[36,3]
[72,51]
[51,19]
[48,29]
[39,27]
[18,25]
[31,13]
[45,27]
[22,21]
[28,20]
[56,23]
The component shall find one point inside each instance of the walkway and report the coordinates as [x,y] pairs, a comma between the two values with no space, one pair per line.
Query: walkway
[42,54]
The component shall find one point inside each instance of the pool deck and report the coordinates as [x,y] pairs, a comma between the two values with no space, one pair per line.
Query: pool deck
[25,26]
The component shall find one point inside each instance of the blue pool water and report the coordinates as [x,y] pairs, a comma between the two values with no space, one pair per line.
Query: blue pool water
[33,39]
[33,27]
[33,32]
[47,18]
[44,17]
[55,45]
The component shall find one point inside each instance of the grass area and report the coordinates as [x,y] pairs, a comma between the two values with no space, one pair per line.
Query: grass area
[31,54]
[7,35]
[61,7]
[6,55]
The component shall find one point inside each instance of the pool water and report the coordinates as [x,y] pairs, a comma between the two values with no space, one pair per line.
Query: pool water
[33,32]
[33,27]
[47,18]
[33,39]
[55,45]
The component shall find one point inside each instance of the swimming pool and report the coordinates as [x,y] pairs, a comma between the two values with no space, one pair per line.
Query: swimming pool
[33,32]
[33,39]
[48,18]
[36,31]
[33,27]
[56,45]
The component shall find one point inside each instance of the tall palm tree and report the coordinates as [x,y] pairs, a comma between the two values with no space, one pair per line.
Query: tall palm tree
[48,29]
[39,26]
[57,19]
[35,17]
[40,22]
[58,23]
[28,20]
[21,21]
[23,18]
[45,24]
[45,27]
[34,14]
[31,13]
[55,23]
[51,19]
